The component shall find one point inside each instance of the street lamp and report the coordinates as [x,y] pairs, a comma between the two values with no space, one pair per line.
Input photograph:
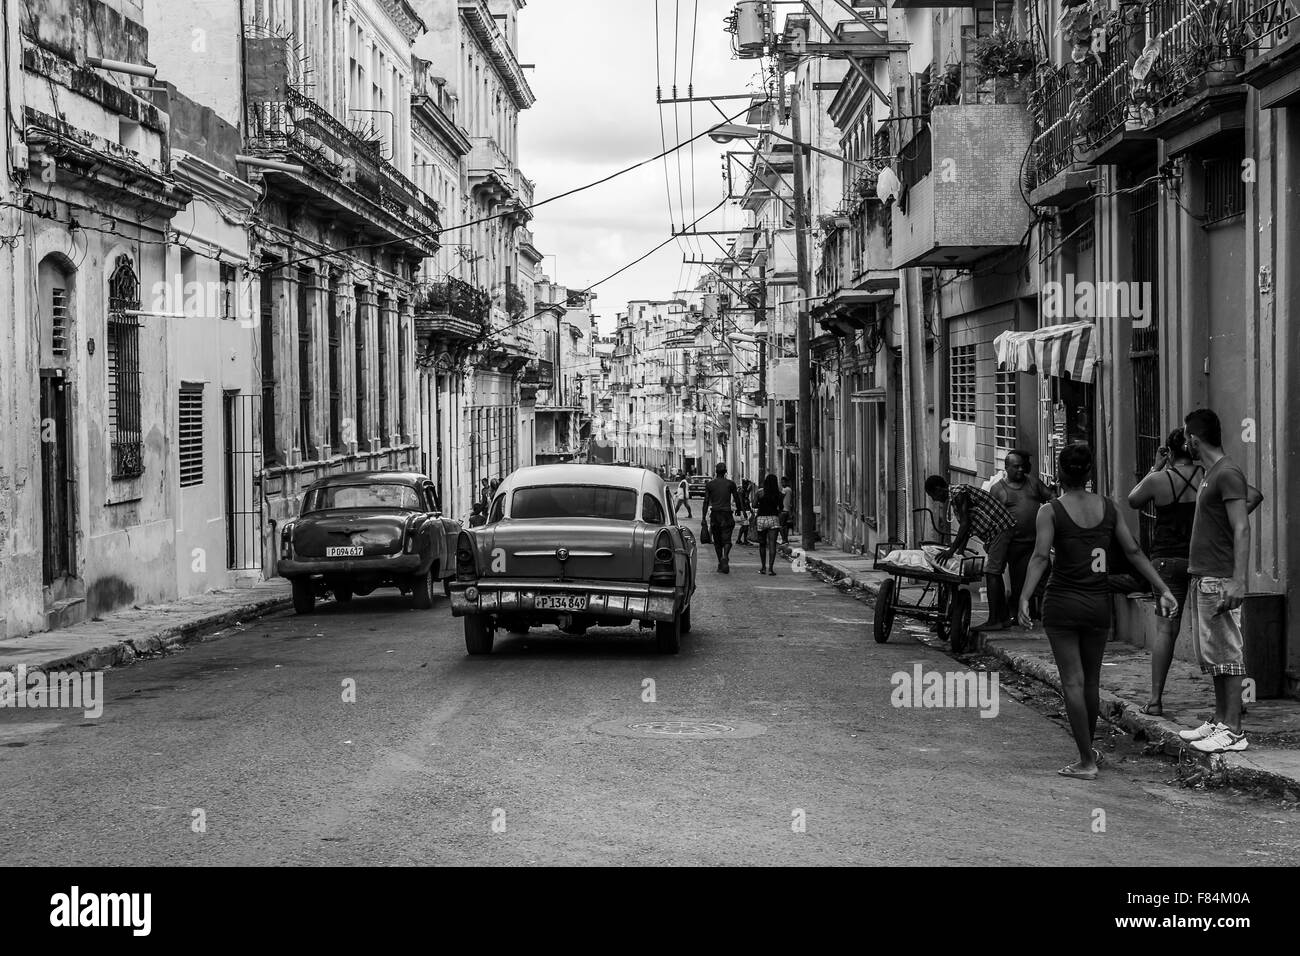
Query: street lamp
[724,133]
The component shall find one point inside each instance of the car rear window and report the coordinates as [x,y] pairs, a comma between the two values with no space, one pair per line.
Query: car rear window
[574,501]
[363,496]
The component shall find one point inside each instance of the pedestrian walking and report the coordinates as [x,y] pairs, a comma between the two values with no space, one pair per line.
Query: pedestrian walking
[1082,527]
[787,509]
[767,510]
[1218,557]
[747,496]
[982,516]
[1022,494]
[719,495]
[683,496]
[1170,488]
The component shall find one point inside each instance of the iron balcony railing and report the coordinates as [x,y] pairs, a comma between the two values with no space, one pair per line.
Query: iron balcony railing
[300,126]
[1269,22]
[1108,97]
[1184,52]
[1050,101]
[915,160]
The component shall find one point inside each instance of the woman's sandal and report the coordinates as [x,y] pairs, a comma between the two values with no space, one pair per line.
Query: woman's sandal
[1097,756]
[1152,710]
[1073,771]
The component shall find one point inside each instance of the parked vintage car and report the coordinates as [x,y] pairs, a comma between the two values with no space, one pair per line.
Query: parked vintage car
[577,546]
[366,530]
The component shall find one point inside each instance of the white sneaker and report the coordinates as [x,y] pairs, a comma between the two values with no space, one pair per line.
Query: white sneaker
[1206,729]
[1220,741]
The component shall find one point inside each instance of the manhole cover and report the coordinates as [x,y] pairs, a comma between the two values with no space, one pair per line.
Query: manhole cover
[680,729]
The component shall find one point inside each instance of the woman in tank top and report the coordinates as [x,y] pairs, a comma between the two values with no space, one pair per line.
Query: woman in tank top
[1170,487]
[1082,527]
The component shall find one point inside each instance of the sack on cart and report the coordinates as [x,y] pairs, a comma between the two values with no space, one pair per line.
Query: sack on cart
[923,559]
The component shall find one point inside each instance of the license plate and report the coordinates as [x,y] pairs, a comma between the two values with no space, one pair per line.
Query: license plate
[345,552]
[561,602]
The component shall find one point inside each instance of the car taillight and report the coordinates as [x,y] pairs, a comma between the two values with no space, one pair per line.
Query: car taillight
[665,568]
[412,538]
[286,541]
[466,570]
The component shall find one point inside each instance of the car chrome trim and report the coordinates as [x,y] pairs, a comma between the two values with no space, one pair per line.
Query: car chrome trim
[572,554]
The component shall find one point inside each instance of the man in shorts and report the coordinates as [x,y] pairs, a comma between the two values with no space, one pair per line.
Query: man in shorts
[719,495]
[1217,565]
[982,516]
[1022,494]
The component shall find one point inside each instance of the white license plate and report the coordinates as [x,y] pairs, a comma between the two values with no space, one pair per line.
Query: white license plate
[345,552]
[561,602]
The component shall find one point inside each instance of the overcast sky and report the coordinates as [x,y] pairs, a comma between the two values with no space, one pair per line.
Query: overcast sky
[596,113]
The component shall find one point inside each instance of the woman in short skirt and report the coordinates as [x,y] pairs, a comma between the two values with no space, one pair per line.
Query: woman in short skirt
[768,510]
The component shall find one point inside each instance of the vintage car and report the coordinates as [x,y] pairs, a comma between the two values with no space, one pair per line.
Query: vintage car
[366,530]
[577,546]
[695,484]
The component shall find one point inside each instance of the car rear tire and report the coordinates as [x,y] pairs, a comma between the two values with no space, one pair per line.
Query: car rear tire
[480,632]
[304,596]
[424,590]
[668,635]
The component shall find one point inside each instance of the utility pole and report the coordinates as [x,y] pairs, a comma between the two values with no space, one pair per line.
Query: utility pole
[807,519]
[769,352]
[763,459]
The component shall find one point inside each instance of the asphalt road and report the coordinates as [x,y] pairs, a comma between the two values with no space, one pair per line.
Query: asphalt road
[519,758]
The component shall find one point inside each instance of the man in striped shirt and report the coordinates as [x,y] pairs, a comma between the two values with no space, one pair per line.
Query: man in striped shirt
[982,516]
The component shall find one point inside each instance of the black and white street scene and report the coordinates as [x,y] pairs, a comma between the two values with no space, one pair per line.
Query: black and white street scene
[650,433]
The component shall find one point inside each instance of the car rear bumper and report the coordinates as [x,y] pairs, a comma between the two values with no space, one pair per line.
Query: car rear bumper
[371,564]
[632,602]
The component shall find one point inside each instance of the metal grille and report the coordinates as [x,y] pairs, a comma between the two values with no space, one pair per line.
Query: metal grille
[962,383]
[401,373]
[1109,90]
[1054,133]
[227,291]
[266,328]
[57,483]
[915,160]
[1004,419]
[190,433]
[1225,190]
[59,323]
[305,277]
[381,379]
[332,330]
[124,371]
[1144,351]
[243,470]
[359,321]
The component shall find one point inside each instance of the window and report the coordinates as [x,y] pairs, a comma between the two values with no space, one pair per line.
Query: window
[359,319]
[332,331]
[986,18]
[962,387]
[652,512]
[123,348]
[381,380]
[574,501]
[190,430]
[1004,418]
[59,322]
[305,281]
[227,291]
[266,328]
[378,495]
[1225,189]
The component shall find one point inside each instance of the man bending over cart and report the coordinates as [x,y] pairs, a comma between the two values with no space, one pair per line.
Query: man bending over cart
[982,516]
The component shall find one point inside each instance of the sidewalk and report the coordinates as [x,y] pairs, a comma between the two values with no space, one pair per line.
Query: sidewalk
[1273,760]
[121,637]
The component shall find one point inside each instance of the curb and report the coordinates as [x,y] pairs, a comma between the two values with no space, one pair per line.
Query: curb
[1193,766]
[159,641]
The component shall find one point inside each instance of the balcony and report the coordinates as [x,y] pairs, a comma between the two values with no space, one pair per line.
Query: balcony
[953,220]
[490,171]
[344,174]
[1275,68]
[539,373]
[452,311]
[1056,177]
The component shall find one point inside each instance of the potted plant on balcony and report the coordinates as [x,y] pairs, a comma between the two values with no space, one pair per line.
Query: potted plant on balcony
[945,85]
[1223,36]
[1003,59]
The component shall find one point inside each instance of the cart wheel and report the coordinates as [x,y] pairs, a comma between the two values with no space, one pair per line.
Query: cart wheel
[959,621]
[884,616]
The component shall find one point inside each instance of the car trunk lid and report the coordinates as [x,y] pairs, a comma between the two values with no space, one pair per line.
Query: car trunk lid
[375,532]
[597,549]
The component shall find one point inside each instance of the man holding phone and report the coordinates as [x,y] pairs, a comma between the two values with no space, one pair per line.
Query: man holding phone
[1217,565]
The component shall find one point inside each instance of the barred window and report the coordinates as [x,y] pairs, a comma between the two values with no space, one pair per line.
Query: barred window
[190,430]
[1225,189]
[962,383]
[59,322]
[1005,412]
[123,358]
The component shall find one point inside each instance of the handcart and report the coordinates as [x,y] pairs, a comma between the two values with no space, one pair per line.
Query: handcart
[935,596]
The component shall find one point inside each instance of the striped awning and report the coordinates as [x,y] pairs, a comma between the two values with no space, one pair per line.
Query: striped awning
[1061,350]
